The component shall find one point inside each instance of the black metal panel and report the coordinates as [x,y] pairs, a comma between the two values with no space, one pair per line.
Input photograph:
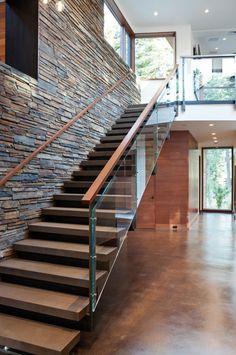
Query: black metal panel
[22,36]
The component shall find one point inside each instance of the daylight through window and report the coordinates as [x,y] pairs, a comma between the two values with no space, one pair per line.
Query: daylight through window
[154,56]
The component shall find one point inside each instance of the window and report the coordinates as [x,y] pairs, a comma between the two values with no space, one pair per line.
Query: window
[117,31]
[154,55]
[112,30]
[2,30]
[128,50]
[217,178]
[19,35]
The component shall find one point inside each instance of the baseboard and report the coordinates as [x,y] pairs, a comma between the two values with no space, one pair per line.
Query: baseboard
[6,253]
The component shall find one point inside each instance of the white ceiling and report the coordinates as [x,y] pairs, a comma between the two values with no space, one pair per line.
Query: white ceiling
[201,131]
[225,41]
[139,13]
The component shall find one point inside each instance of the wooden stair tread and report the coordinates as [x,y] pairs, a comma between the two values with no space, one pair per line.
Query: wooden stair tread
[100,153]
[62,274]
[83,227]
[94,173]
[73,250]
[113,138]
[107,146]
[78,197]
[137,106]
[123,132]
[121,125]
[43,301]
[75,212]
[98,163]
[87,184]
[35,337]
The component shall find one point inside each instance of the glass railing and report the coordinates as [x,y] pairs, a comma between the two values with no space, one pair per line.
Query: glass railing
[209,78]
[113,211]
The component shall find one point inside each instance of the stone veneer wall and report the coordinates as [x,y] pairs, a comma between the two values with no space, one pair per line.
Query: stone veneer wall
[75,66]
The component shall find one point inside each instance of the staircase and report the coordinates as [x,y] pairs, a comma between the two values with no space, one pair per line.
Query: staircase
[44,289]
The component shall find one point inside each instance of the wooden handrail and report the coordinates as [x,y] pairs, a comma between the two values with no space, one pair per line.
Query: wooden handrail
[27,160]
[113,161]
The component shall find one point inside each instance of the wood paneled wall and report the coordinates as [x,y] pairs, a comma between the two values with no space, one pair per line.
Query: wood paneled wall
[2,31]
[166,200]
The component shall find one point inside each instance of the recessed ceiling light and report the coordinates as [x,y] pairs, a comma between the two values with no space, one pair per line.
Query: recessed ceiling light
[224,39]
[211,125]
[207,11]
[216,48]
[214,134]
[155,13]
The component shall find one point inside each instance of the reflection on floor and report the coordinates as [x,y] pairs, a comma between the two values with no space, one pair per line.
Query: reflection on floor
[172,293]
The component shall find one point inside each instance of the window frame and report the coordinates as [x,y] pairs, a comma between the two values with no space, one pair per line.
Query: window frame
[202,180]
[144,35]
[125,28]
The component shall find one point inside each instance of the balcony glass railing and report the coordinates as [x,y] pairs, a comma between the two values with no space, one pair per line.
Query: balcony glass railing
[116,205]
[209,78]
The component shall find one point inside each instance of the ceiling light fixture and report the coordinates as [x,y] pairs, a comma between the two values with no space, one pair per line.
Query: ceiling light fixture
[207,11]
[60,5]
[224,39]
[156,13]
[211,125]
[216,48]
[213,134]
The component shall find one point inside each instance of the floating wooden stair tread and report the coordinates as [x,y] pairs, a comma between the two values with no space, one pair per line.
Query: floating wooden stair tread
[73,229]
[78,197]
[35,337]
[81,212]
[61,274]
[63,249]
[79,184]
[124,131]
[121,125]
[107,146]
[98,163]
[135,109]
[97,154]
[56,304]
[131,119]
[113,138]
[93,173]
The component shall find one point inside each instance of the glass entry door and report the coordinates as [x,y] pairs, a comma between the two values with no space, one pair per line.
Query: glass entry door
[217,179]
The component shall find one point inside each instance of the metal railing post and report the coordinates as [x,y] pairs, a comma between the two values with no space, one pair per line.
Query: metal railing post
[235,82]
[177,93]
[183,84]
[92,263]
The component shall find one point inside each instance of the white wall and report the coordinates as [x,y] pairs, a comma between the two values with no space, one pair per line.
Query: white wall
[148,89]
[183,48]
[183,37]
[208,113]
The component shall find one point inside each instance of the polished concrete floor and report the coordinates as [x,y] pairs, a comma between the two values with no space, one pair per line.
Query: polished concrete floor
[171,293]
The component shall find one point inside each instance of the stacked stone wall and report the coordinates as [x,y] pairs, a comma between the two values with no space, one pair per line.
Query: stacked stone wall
[75,66]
